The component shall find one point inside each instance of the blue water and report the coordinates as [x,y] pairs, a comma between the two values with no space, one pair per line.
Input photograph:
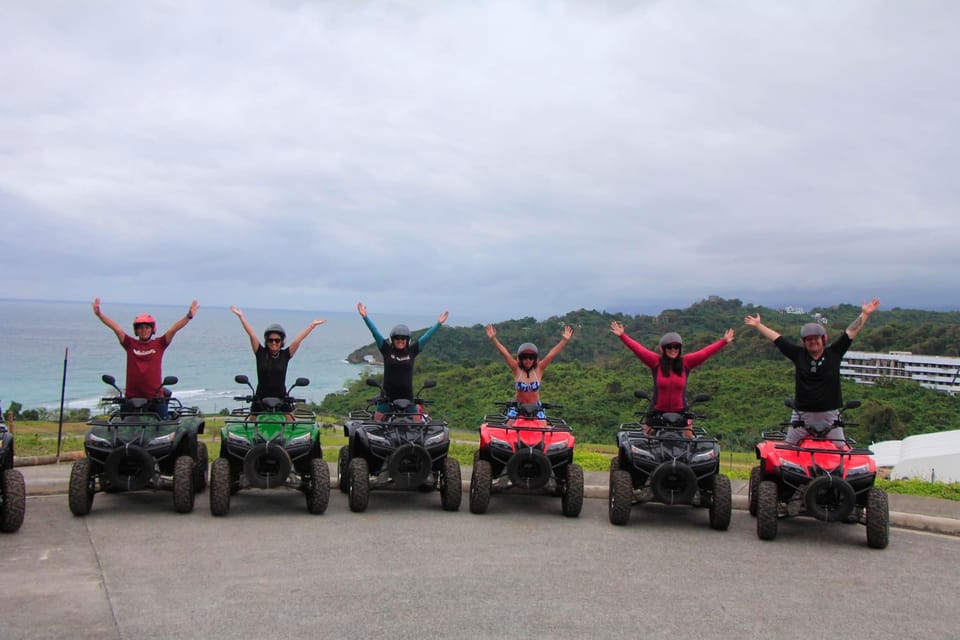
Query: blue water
[205,355]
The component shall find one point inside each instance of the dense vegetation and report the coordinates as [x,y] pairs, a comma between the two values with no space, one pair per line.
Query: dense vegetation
[595,376]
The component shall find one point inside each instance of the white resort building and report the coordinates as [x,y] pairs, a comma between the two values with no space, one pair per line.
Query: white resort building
[934,372]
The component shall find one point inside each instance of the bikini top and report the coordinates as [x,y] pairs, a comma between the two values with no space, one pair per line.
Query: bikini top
[533,385]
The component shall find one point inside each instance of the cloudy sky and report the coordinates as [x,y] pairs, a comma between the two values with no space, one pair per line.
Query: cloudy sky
[497,159]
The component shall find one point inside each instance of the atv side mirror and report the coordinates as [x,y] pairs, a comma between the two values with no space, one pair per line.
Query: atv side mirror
[109,379]
[640,393]
[701,397]
[788,402]
[852,404]
[373,382]
[301,382]
[169,381]
[429,384]
[241,379]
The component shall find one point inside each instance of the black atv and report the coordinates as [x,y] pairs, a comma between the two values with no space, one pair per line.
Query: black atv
[399,449]
[278,446]
[13,491]
[142,444]
[657,461]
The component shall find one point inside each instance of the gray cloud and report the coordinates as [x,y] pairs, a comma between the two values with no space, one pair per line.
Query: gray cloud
[500,159]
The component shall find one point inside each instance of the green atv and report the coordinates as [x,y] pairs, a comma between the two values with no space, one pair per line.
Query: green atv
[141,444]
[13,490]
[276,447]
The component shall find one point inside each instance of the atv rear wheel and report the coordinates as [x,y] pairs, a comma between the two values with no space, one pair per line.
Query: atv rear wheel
[81,487]
[620,499]
[878,519]
[183,493]
[767,510]
[756,475]
[358,494]
[721,503]
[202,468]
[318,487]
[220,481]
[451,486]
[14,501]
[480,486]
[343,468]
[571,500]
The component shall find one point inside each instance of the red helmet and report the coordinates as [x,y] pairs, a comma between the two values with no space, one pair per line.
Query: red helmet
[145,318]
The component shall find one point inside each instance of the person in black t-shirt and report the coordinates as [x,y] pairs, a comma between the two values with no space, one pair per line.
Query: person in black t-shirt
[272,360]
[817,397]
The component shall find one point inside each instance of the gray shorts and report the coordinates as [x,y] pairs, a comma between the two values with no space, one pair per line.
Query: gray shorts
[796,434]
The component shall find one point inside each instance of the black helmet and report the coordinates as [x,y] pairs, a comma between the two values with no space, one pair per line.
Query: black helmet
[400,331]
[671,338]
[812,329]
[528,347]
[275,328]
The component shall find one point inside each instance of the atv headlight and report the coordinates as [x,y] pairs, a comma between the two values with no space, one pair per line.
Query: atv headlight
[557,446]
[92,439]
[500,443]
[706,455]
[859,471]
[377,439]
[792,467]
[163,440]
[235,437]
[434,439]
[643,453]
[305,438]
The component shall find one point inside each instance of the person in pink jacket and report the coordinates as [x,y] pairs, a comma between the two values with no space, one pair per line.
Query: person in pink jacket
[670,367]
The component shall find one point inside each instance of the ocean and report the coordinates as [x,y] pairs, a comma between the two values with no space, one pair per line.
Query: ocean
[205,355]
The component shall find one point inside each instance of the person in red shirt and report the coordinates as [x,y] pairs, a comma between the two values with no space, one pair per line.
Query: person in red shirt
[145,352]
[670,367]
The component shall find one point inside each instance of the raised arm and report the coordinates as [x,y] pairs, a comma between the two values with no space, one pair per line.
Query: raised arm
[254,339]
[377,336]
[866,308]
[182,322]
[422,340]
[112,324]
[547,359]
[765,331]
[697,358]
[303,334]
[507,356]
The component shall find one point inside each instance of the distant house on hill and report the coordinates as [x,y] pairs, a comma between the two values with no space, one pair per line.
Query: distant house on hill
[794,311]
[934,372]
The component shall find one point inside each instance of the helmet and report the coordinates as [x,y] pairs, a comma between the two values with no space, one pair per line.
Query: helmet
[671,338]
[145,318]
[528,347]
[812,329]
[275,328]
[400,331]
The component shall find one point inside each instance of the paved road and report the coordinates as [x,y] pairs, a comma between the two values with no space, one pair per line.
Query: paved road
[133,569]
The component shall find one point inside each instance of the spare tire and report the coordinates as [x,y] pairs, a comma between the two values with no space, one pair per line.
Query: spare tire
[673,483]
[829,499]
[409,466]
[529,469]
[266,466]
[129,468]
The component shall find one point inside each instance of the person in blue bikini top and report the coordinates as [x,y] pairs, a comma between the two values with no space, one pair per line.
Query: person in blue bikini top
[527,367]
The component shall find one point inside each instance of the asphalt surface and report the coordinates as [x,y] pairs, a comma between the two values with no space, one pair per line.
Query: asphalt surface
[134,569]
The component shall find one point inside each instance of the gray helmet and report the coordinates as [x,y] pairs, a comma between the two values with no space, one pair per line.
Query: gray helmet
[528,347]
[274,328]
[812,329]
[671,338]
[400,331]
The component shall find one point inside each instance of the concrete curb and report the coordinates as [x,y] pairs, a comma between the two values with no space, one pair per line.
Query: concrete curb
[32,461]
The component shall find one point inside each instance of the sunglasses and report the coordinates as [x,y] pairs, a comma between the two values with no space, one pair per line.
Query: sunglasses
[400,338]
[275,340]
[527,356]
[671,346]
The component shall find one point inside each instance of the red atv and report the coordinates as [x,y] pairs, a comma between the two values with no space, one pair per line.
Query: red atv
[825,478]
[525,451]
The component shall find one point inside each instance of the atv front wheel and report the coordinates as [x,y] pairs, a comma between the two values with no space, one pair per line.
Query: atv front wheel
[571,500]
[183,493]
[220,481]
[318,487]
[721,503]
[202,468]
[756,475]
[451,487]
[480,486]
[620,500]
[878,519]
[767,510]
[81,487]
[343,468]
[14,501]
[358,494]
